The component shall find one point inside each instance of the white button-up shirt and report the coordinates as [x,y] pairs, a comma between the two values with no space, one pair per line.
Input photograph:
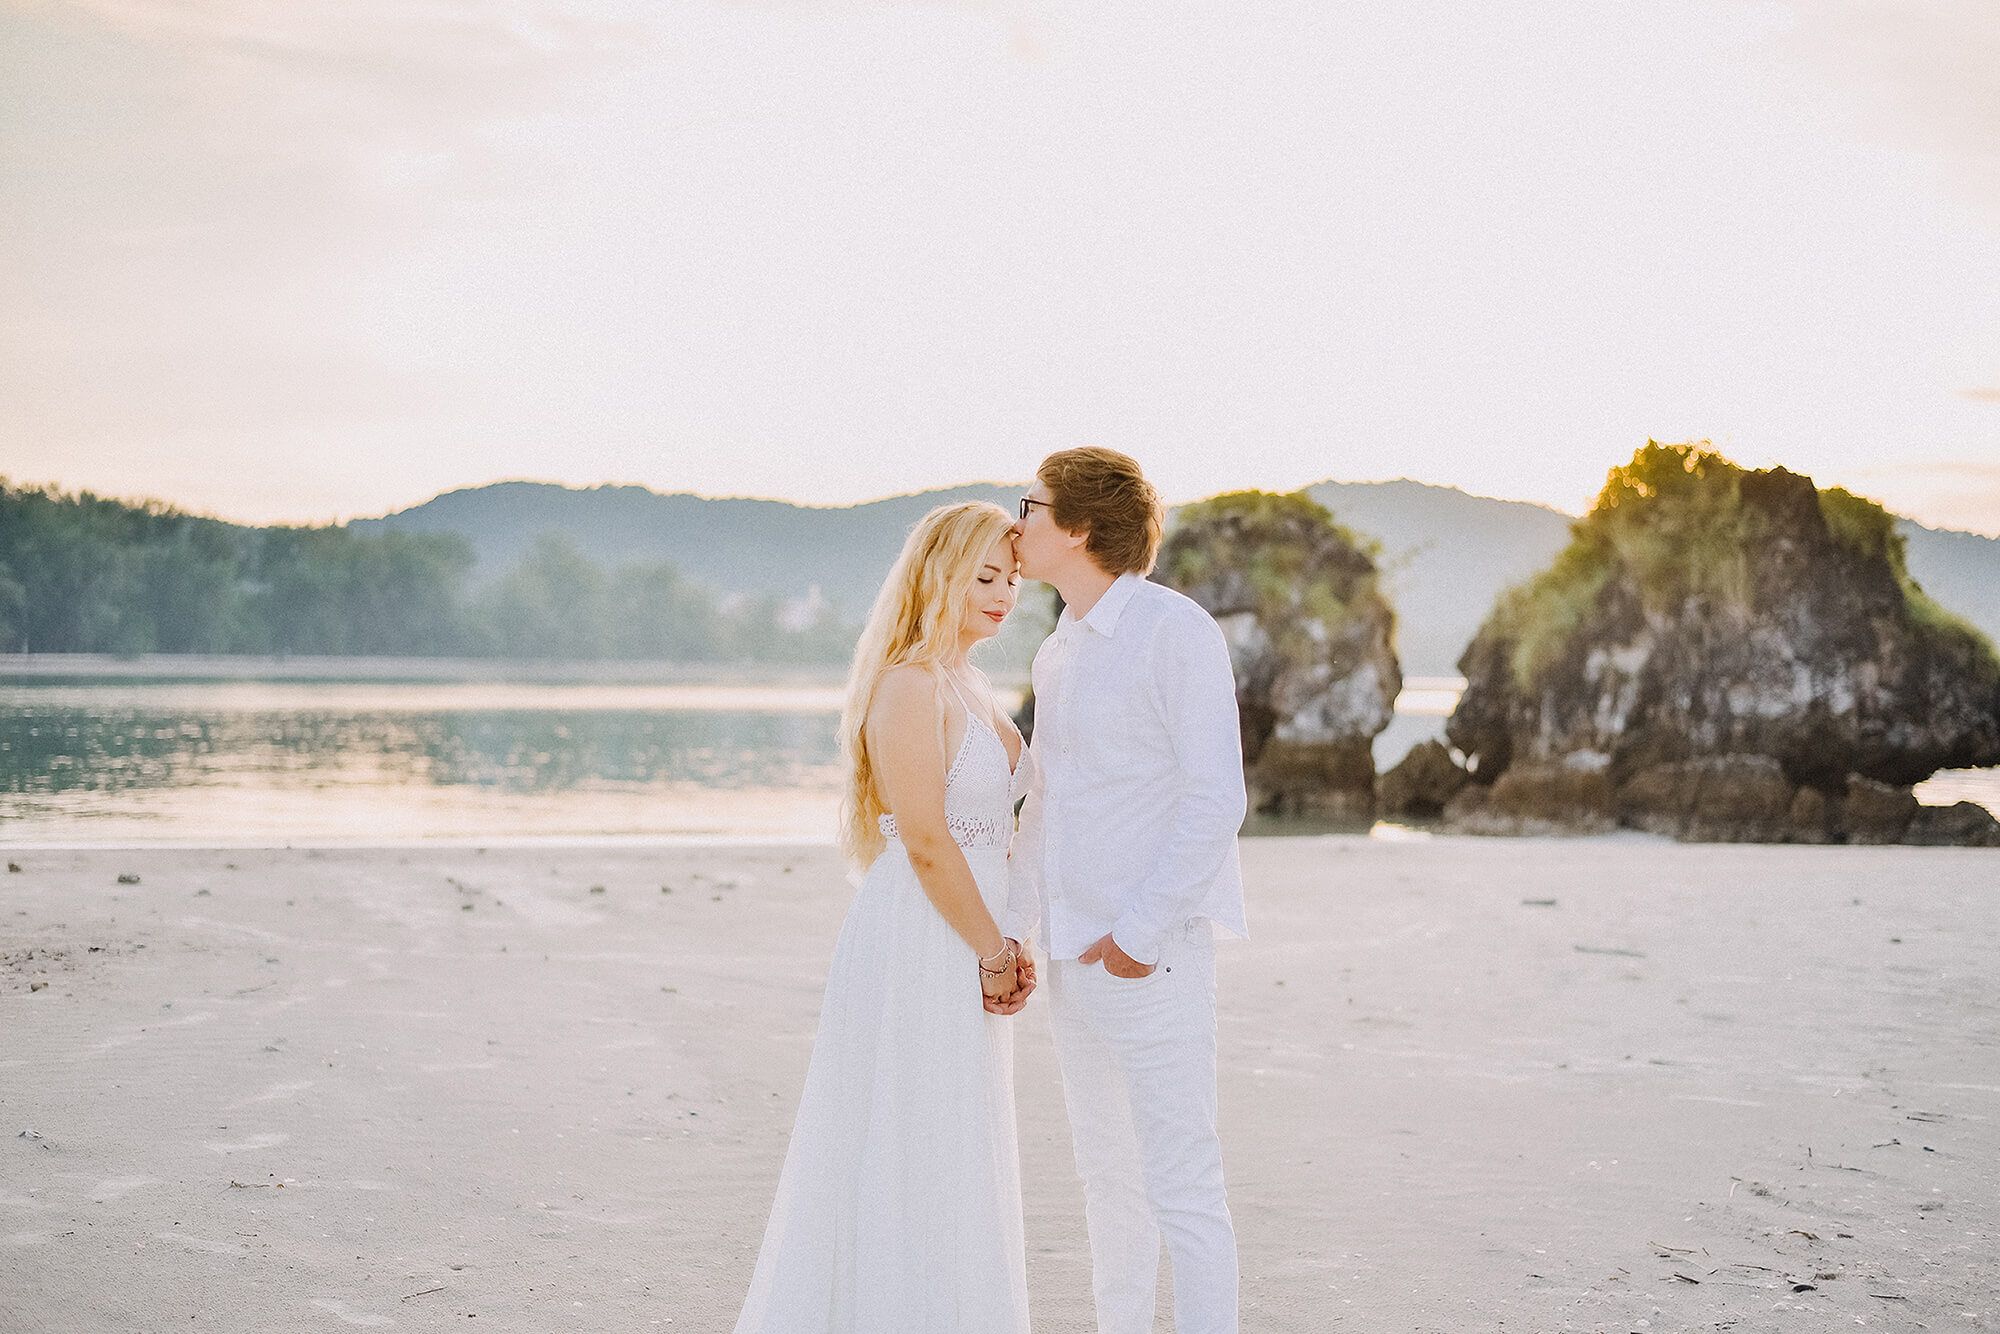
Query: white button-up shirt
[1136,792]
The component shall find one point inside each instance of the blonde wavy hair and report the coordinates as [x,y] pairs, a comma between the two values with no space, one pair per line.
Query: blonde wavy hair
[918,619]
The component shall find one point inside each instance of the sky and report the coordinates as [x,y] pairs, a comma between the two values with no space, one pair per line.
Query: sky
[300,260]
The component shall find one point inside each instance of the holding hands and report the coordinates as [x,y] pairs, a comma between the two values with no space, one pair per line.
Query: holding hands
[1007,978]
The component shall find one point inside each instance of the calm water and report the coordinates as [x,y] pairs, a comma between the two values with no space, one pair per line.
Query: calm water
[277,762]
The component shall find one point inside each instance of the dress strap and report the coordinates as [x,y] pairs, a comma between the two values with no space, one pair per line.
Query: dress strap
[956,691]
[972,715]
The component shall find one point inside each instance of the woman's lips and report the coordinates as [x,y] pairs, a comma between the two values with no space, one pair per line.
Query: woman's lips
[998,616]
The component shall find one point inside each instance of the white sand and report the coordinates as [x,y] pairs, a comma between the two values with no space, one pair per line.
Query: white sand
[418,1088]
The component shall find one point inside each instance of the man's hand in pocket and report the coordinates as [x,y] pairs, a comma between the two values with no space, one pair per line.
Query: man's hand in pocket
[1116,961]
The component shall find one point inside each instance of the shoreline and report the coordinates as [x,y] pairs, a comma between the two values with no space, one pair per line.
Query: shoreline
[1256,831]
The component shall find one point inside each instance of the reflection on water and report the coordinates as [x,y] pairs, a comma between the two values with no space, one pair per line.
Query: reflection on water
[295,762]
[50,753]
[191,762]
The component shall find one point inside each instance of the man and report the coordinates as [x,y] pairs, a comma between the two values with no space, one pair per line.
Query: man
[1126,859]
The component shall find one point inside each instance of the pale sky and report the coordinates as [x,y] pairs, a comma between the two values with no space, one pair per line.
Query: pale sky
[300,259]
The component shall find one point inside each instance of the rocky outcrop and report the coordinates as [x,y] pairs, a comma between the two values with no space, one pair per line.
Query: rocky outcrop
[1309,637]
[1717,798]
[1420,784]
[1876,812]
[1535,799]
[1737,654]
[1961,825]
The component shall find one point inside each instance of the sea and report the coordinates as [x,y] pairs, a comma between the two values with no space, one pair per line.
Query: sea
[258,753]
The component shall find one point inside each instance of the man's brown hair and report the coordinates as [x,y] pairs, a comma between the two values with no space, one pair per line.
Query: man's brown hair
[1102,493]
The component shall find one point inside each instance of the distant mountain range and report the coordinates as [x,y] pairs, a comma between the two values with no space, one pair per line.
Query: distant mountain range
[1446,555]
[733,546]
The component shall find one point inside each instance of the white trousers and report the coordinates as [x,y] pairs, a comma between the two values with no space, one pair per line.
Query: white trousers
[1138,1069]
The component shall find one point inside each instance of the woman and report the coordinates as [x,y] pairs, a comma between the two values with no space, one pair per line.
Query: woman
[899,1207]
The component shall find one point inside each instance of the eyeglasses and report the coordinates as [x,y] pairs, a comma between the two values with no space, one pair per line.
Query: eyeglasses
[1028,502]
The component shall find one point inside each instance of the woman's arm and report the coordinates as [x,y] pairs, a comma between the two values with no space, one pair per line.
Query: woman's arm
[1024,857]
[903,738]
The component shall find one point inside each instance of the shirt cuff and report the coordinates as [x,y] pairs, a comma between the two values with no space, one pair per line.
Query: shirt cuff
[1141,943]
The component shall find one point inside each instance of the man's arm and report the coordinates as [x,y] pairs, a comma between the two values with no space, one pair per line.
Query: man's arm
[1189,667]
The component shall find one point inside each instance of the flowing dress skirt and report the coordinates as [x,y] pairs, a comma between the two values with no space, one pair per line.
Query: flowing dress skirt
[899,1207]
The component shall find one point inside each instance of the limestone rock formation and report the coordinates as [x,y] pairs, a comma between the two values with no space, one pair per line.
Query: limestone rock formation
[1738,654]
[1876,812]
[1960,824]
[1535,799]
[1309,637]
[1421,783]
[1716,798]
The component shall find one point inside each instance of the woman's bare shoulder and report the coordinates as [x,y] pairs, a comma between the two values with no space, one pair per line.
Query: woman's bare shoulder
[904,692]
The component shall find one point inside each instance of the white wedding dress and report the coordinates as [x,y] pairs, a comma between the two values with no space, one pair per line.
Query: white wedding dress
[899,1206]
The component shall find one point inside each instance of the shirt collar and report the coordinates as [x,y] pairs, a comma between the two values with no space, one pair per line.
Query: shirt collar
[1103,617]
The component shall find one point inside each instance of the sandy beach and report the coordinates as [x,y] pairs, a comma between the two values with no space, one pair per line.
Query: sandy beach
[1606,1084]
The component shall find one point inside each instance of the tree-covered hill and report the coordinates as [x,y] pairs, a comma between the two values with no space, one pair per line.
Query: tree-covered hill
[83,574]
[756,547]
[711,578]
[1446,554]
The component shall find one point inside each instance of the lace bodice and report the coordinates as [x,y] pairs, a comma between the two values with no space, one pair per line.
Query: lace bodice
[978,788]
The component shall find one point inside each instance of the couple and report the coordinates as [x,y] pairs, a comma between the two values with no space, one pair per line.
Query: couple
[899,1206]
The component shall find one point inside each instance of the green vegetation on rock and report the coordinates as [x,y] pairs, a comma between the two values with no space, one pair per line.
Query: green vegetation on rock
[1274,547]
[1680,523]
[1868,530]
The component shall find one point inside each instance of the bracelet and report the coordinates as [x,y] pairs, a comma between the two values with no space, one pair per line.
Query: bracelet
[1003,956]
